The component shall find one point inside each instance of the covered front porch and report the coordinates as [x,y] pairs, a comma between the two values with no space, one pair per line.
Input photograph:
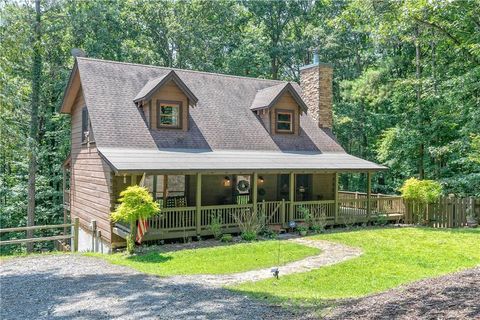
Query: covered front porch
[189,202]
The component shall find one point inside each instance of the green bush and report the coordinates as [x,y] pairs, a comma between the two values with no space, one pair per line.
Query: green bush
[226,238]
[135,203]
[249,236]
[424,191]
[216,225]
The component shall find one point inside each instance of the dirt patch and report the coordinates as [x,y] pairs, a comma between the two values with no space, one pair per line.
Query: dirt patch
[454,296]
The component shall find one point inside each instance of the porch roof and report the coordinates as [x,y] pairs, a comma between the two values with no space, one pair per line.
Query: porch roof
[187,160]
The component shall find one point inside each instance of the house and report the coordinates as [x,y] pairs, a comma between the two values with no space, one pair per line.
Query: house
[206,144]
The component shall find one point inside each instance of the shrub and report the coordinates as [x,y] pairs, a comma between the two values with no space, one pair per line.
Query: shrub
[249,236]
[249,222]
[318,221]
[421,192]
[216,225]
[268,233]
[424,191]
[302,229]
[226,238]
[135,203]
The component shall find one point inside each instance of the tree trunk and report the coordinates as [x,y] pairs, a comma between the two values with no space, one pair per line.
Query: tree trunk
[421,147]
[33,139]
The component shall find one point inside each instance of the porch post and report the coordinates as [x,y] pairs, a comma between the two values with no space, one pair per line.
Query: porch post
[255,193]
[133,225]
[336,198]
[292,196]
[369,195]
[198,203]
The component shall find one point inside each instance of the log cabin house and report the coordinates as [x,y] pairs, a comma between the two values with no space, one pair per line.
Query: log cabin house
[207,144]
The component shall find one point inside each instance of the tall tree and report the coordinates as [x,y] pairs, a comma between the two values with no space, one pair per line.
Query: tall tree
[35,103]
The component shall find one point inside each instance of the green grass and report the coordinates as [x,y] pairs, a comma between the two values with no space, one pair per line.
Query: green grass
[391,257]
[216,260]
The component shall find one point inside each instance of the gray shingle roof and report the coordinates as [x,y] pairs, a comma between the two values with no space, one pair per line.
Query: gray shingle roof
[267,97]
[182,160]
[222,121]
[222,118]
[153,85]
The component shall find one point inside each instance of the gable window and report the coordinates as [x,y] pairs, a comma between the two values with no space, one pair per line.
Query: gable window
[169,114]
[284,121]
[85,125]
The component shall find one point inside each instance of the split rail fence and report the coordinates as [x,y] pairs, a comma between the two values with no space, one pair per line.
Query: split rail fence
[73,237]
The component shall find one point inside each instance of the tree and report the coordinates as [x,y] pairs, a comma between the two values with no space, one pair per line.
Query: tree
[135,203]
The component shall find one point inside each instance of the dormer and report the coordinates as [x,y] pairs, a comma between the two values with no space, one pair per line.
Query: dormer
[165,102]
[279,107]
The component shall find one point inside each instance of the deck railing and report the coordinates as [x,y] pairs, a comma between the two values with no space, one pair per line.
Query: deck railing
[349,210]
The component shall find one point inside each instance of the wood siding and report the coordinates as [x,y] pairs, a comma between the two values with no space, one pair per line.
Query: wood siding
[286,102]
[90,182]
[168,92]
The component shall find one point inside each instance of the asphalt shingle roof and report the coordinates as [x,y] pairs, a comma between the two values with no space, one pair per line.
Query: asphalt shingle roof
[222,119]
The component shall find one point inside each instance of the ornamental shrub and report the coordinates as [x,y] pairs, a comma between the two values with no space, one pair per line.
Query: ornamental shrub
[424,191]
[135,203]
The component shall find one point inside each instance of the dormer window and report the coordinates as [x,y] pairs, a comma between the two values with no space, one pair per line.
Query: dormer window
[284,121]
[169,114]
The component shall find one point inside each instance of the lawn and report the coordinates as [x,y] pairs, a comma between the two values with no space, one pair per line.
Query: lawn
[392,256]
[216,260]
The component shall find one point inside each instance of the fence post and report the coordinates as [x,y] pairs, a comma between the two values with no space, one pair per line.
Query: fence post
[94,234]
[282,213]
[75,234]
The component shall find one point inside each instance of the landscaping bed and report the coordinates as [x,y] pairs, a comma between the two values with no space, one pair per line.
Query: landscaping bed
[455,296]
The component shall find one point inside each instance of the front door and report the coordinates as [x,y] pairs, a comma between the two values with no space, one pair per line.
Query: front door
[303,187]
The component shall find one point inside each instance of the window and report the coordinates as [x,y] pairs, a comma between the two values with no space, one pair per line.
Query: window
[84,124]
[169,115]
[284,121]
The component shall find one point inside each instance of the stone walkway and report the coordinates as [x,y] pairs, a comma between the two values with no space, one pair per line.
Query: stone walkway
[331,253]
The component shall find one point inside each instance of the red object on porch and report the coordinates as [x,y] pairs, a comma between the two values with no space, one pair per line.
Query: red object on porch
[141,229]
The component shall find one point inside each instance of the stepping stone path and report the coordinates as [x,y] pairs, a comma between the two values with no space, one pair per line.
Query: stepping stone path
[332,253]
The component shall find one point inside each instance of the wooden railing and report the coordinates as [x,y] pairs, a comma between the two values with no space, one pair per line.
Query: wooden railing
[226,213]
[73,237]
[273,211]
[326,208]
[174,219]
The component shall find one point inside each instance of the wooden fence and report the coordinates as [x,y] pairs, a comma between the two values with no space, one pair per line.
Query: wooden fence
[73,237]
[447,212]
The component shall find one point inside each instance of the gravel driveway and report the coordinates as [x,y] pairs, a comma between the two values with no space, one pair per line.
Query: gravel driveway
[454,296]
[77,287]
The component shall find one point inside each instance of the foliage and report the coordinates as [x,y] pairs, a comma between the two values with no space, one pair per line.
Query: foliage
[215,260]
[302,229]
[268,233]
[248,236]
[391,257]
[416,123]
[249,222]
[216,225]
[135,203]
[226,238]
[424,191]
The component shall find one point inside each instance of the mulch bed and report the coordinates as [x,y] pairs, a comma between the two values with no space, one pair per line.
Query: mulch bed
[454,296]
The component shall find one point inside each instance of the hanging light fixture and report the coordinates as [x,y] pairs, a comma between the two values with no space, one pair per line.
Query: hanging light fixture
[260,179]
[226,181]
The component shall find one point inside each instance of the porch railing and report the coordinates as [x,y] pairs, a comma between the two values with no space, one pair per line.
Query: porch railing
[349,210]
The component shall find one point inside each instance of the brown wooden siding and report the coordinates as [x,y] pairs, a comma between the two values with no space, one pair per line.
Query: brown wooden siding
[168,92]
[286,102]
[90,183]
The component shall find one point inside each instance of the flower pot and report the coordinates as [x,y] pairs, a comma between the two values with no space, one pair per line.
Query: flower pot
[303,233]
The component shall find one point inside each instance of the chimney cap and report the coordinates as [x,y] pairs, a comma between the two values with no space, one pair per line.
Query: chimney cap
[316,62]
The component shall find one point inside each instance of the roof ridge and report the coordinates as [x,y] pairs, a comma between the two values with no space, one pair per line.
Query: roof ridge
[178,69]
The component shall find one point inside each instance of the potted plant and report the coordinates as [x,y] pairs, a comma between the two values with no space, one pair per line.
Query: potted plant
[302,230]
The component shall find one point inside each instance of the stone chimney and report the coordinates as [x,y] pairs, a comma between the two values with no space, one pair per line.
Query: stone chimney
[316,83]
